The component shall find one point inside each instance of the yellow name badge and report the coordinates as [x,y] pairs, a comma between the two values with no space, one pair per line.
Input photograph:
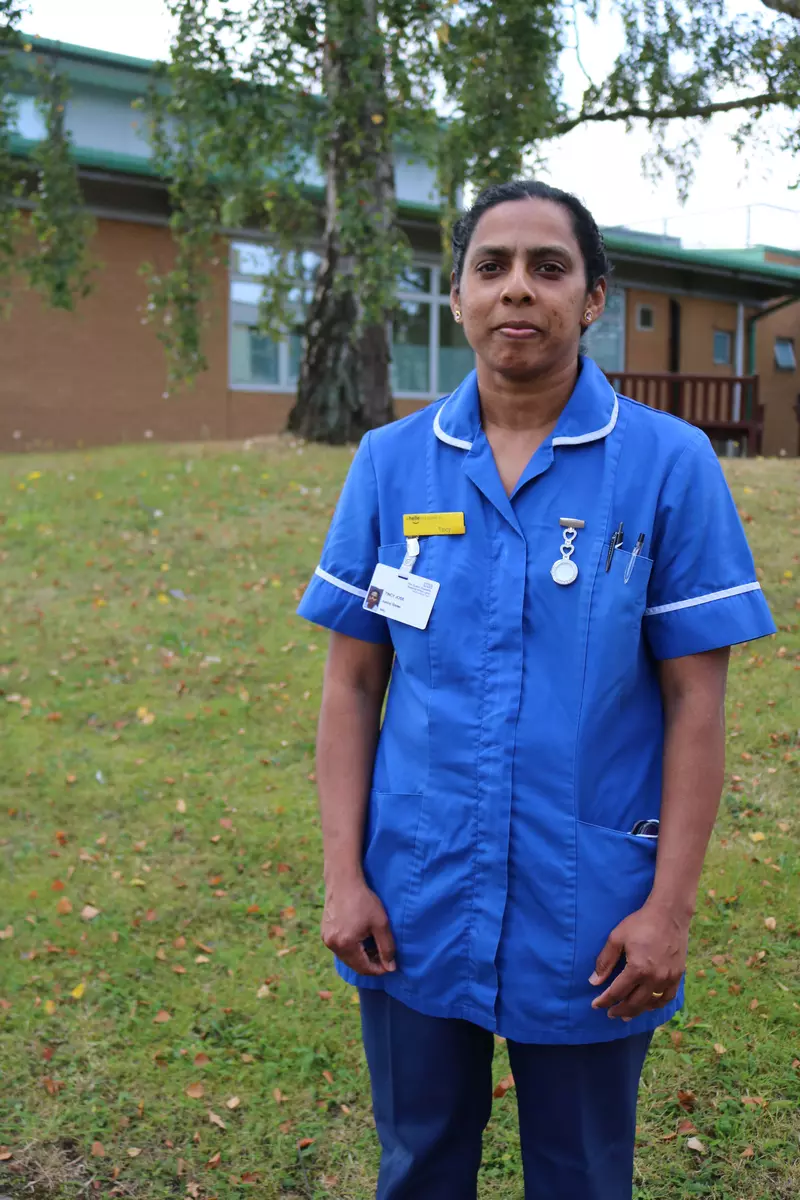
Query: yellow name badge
[432,524]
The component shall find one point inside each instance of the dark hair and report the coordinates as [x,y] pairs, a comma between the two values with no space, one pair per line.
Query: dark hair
[585,228]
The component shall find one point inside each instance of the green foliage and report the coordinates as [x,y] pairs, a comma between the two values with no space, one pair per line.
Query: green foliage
[58,265]
[10,178]
[57,262]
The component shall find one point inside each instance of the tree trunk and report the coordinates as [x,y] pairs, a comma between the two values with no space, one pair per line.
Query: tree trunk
[344,386]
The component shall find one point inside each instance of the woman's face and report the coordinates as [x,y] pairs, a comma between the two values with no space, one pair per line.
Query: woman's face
[523,294]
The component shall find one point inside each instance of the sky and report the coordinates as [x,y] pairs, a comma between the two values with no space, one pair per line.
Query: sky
[602,164]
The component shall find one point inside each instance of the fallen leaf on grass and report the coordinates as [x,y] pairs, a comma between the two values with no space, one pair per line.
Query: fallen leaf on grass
[64,907]
[503,1086]
[6,933]
[201,1060]
[687,1100]
[304,1143]
[214,1161]
[694,1143]
[278,1096]
[685,1127]
[247,1058]
[757,837]
[50,1007]
[263,992]
[133,1151]
[770,923]
[233,1102]
[216,1120]
[754,1101]
[98,1150]
[5,1154]
[161,1017]
[327,1075]
[720,1049]
[89,912]
[326,995]
[78,991]
[202,958]
[748,1152]
[180,805]
[195,1091]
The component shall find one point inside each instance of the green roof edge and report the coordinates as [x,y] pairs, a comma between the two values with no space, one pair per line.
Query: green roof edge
[87,53]
[720,259]
[131,164]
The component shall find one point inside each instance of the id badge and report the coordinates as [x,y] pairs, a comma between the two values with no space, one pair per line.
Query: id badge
[407,598]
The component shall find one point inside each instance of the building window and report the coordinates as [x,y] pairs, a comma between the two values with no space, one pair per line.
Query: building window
[430,354]
[723,348]
[784,354]
[645,317]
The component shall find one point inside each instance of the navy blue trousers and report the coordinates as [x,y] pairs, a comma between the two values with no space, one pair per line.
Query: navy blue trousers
[432,1097]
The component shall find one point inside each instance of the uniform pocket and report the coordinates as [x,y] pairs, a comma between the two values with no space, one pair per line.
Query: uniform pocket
[390,851]
[621,604]
[392,554]
[615,873]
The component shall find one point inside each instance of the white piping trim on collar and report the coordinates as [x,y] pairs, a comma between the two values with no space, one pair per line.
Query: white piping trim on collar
[459,443]
[734,591]
[340,583]
[591,437]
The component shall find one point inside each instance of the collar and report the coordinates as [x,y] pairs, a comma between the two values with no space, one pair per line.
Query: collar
[590,413]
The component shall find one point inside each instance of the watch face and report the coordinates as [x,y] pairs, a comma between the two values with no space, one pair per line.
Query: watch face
[564,571]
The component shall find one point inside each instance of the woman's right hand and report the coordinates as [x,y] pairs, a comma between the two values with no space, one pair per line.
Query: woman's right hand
[352,915]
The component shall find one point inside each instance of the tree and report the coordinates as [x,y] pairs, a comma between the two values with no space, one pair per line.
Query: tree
[52,253]
[283,115]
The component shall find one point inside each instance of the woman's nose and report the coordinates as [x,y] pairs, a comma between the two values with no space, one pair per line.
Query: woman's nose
[517,288]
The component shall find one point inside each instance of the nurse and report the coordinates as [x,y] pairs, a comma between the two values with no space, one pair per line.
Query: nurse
[516,846]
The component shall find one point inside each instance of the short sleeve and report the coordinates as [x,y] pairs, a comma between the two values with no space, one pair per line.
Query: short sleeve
[335,596]
[703,592]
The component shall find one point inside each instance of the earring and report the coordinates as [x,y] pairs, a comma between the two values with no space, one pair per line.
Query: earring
[587,316]
[457,314]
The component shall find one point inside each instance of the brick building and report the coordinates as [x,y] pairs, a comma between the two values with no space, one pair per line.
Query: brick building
[708,333]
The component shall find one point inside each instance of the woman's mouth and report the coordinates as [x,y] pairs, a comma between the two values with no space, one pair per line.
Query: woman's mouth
[519,332]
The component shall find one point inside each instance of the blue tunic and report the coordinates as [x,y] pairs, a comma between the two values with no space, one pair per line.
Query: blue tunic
[523,732]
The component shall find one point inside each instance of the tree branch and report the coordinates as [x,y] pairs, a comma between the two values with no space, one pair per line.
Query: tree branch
[680,111]
[789,8]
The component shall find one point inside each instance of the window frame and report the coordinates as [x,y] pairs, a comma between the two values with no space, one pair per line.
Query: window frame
[718,362]
[640,327]
[785,341]
[434,297]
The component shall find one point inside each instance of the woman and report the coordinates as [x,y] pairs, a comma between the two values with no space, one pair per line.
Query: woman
[516,849]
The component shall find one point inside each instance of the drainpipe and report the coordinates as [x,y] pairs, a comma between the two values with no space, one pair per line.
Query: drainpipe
[739,362]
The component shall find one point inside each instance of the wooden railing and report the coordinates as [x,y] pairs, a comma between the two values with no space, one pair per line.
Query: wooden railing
[724,406]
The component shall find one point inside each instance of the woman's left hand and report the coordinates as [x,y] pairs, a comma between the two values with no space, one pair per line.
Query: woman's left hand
[655,943]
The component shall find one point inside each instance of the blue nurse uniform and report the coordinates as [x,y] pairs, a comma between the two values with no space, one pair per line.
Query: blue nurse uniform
[523,731]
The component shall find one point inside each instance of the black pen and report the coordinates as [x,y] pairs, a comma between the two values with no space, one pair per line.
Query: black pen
[635,552]
[615,543]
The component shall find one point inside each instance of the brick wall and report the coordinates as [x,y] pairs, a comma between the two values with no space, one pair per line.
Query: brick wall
[97,376]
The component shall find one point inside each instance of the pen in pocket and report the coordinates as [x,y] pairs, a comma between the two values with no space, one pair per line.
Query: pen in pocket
[635,552]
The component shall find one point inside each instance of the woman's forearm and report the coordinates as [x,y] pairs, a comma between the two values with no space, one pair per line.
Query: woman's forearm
[346,739]
[356,676]
[694,765]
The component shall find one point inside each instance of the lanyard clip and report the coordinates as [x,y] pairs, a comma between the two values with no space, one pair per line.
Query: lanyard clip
[412,554]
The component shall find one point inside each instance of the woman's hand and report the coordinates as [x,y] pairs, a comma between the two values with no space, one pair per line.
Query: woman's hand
[352,915]
[655,942]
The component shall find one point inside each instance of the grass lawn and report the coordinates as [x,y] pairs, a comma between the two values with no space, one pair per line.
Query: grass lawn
[170,1024]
